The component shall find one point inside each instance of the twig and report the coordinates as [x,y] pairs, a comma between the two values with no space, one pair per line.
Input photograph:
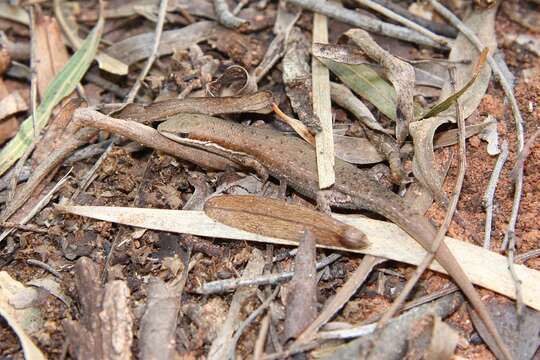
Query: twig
[439,28]
[261,338]
[515,277]
[322,108]
[356,279]
[91,174]
[471,36]
[40,205]
[249,320]
[404,21]
[292,351]
[428,259]
[45,266]
[17,171]
[364,22]
[221,286]
[225,17]
[524,153]
[487,201]
[241,4]
[31,228]
[521,258]
[150,61]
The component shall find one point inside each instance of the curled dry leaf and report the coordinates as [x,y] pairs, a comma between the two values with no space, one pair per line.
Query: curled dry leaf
[259,102]
[424,168]
[234,81]
[276,218]
[400,74]
[12,104]
[490,134]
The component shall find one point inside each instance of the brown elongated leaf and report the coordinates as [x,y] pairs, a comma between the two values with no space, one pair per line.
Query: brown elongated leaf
[450,100]
[400,74]
[302,295]
[139,47]
[234,81]
[276,218]
[300,128]
[356,150]
[259,102]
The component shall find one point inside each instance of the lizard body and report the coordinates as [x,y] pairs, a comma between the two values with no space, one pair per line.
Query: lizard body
[293,160]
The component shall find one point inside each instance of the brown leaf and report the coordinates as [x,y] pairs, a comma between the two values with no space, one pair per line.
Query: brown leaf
[50,50]
[235,80]
[276,218]
[302,295]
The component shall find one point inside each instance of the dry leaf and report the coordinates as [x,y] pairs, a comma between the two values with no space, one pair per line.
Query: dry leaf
[400,74]
[276,218]
[12,104]
[234,81]
[356,150]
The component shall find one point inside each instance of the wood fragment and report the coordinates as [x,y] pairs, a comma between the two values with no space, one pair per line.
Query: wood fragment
[225,17]
[322,108]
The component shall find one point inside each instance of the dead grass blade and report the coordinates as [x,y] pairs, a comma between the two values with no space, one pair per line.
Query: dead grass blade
[64,83]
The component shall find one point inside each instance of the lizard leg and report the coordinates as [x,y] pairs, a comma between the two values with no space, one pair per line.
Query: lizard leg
[253,164]
[323,201]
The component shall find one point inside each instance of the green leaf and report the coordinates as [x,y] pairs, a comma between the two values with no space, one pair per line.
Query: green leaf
[63,84]
[364,81]
[450,100]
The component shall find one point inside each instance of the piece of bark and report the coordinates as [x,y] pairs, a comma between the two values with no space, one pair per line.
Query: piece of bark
[297,79]
[104,328]
[158,324]
[302,298]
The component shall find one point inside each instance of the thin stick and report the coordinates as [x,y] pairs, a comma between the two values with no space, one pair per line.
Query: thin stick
[343,295]
[405,22]
[370,24]
[322,107]
[515,277]
[487,201]
[471,36]
[428,259]
[439,28]
[150,61]
[221,286]
[249,320]
[45,266]
[527,256]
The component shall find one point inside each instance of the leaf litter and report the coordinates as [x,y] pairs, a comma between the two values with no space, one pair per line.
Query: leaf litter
[246,74]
